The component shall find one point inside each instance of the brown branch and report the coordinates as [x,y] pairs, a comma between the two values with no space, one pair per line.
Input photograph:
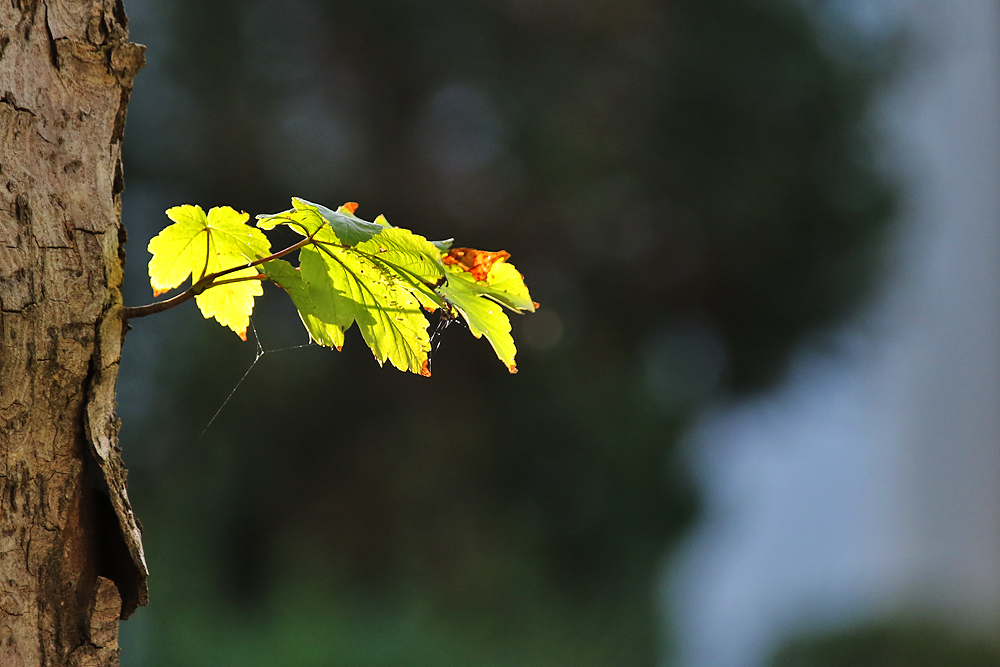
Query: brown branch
[206,282]
[241,279]
[158,306]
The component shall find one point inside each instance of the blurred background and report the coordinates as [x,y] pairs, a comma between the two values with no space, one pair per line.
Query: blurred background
[756,417]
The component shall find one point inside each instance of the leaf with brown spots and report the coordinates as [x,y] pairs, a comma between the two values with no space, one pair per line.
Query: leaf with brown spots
[351,271]
[476,262]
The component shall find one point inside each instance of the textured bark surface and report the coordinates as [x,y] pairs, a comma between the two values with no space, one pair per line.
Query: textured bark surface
[71,558]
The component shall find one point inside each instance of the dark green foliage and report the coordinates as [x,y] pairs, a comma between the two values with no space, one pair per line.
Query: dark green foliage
[685,185]
[889,645]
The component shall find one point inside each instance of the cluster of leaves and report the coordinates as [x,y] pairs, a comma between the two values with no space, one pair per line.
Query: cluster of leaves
[350,271]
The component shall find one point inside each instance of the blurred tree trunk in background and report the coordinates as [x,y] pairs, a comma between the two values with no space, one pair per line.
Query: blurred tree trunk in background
[70,557]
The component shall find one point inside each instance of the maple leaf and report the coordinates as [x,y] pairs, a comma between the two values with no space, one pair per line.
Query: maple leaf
[478,283]
[355,288]
[476,262]
[351,271]
[493,275]
[443,246]
[324,224]
[412,257]
[197,245]
[505,284]
[370,273]
[484,316]
[314,316]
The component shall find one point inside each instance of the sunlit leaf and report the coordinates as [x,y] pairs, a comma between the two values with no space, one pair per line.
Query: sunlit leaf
[493,275]
[506,284]
[324,224]
[443,246]
[476,262]
[410,256]
[350,229]
[484,316]
[197,245]
[306,222]
[290,279]
[358,289]
[351,271]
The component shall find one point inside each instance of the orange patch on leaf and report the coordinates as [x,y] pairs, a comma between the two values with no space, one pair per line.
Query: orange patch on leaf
[476,262]
[242,335]
[512,368]
[158,292]
[425,370]
[351,206]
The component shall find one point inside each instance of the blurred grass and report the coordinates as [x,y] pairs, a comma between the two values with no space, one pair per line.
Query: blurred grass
[902,643]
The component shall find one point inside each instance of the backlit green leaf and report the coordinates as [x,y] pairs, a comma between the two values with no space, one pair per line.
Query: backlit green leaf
[412,257]
[350,229]
[197,245]
[351,271]
[290,279]
[306,222]
[358,289]
[506,284]
[484,316]
[324,224]
[443,246]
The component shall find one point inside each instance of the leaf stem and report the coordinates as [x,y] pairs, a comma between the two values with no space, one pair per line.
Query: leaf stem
[209,281]
[241,279]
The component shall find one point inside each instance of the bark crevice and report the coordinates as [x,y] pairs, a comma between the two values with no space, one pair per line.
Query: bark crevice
[11,101]
[121,556]
[71,561]
[53,48]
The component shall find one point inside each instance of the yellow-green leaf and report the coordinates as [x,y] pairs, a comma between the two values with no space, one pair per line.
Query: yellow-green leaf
[323,224]
[484,316]
[351,271]
[358,289]
[231,304]
[506,285]
[197,245]
[412,257]
[312,315]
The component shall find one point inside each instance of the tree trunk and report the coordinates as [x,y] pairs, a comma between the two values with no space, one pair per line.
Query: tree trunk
[71,559]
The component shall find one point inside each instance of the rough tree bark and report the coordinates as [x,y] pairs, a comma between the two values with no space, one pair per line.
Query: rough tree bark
[71,559]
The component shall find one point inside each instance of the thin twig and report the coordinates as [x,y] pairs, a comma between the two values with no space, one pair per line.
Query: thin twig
[207,282]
